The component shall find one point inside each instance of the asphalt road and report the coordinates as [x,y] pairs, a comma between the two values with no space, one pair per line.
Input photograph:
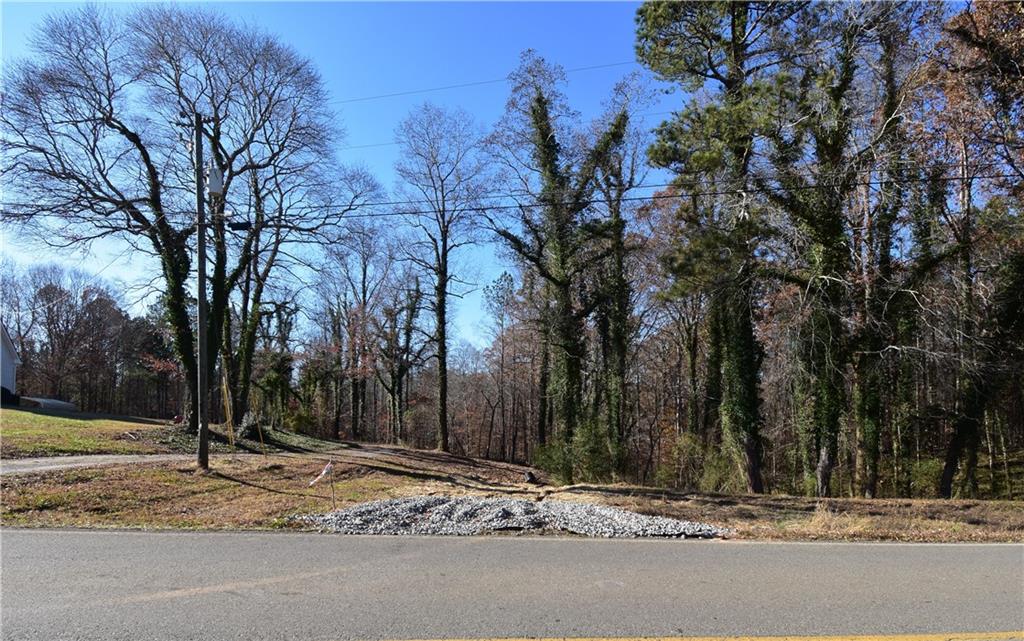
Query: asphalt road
[176,585]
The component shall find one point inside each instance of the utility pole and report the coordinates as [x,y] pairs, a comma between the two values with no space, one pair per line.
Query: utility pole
[201,391]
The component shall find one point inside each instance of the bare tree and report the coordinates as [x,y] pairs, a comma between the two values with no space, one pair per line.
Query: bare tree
[93,145]
[398,348]
[444,173]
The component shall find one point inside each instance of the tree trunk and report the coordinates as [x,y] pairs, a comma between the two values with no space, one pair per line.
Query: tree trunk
[542,387]
[741,403]
[355,407]
[618,327]
[567,372]
[713,375]
[441,319]
[965,435]
[869,411]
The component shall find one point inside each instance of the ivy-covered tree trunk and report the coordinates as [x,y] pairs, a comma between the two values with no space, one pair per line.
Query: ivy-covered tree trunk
[619,331]
[818,206]
[825,336]
[966,434]
[971,393]
[712,370]
[566,382]
[826,368]
[405,361]
[613,328]
[175,266]
[441,339]
[543,380]
[557,248]
[239,362]
[878,294]
[694,44]
[740,408]
[868,397]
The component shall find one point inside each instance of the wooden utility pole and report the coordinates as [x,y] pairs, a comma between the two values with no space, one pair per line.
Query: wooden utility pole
[203,458]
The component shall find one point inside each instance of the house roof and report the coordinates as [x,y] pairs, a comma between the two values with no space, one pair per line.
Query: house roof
[9,343]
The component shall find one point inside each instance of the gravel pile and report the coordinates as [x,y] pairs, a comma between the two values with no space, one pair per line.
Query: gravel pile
[468,515]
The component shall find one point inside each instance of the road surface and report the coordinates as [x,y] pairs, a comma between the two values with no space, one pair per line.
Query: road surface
[180,585]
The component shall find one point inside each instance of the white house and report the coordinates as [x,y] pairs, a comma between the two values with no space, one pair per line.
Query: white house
[9,362]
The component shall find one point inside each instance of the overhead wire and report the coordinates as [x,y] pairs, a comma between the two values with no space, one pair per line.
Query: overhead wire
[686,194]
[677,184]
[481,209]
[651,197]
[476,83]
[463,85]
[395,143]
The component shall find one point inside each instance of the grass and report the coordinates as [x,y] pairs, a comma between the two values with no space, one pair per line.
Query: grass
[256,492]
[243,492]
[793,518]
[32,432]
[25,432]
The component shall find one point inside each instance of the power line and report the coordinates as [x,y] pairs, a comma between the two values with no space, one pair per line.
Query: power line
[95,276]
[393,143]
[421,201]
[376,144]
[594,201]
[463,85]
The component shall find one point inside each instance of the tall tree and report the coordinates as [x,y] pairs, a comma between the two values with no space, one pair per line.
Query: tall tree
[499,297]
[364,265]
[616,178]
[726,48]
[443,170]
[91,125]
[557,235]
[399,350]
[292,203]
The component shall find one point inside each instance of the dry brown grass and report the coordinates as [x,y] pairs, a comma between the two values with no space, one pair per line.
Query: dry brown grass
[240,492]
[261,492]
[801,519]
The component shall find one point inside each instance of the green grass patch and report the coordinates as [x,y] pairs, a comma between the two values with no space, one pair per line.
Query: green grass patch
[34,432]
[25,432]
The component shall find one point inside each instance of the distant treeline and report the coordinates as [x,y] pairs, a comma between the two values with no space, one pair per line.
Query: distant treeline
[78,344]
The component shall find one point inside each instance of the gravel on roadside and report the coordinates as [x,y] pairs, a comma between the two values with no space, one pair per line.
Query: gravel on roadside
[469,515]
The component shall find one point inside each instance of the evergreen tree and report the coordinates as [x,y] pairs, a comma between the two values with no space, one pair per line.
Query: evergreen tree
[724,48]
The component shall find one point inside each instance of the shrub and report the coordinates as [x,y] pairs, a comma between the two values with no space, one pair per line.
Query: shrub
[719,473]
[553,458]
[300,421]
[593,455]
[924,478]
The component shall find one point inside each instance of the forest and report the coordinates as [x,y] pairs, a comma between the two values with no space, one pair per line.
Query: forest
[808,278]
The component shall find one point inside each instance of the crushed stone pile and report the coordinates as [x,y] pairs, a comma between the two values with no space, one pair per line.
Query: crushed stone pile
[469,515]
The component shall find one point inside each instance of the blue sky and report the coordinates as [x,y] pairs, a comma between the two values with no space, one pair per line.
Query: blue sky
[368,49]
